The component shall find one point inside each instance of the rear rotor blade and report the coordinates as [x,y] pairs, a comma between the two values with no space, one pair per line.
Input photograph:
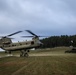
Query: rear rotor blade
[26,36]
[14,33]
[11,38]
[1,36]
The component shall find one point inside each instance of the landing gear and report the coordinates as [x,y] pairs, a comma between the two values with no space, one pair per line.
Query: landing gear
[24,53]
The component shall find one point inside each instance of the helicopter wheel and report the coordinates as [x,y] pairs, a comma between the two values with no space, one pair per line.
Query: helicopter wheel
[26,55]
[21,53]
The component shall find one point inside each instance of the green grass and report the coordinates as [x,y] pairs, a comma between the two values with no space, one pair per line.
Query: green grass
[42,65]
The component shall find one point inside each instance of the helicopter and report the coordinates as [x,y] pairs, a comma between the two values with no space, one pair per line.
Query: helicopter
[9,46]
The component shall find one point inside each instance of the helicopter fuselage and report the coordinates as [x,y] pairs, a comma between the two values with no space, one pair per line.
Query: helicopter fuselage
[21,45]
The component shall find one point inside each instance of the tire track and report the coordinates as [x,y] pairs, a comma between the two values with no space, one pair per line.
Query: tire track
[22,68]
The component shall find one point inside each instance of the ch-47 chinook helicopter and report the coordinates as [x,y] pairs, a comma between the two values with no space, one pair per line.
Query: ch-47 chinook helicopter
[7,44]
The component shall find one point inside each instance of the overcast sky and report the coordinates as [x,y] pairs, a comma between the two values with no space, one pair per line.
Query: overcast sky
[44,17]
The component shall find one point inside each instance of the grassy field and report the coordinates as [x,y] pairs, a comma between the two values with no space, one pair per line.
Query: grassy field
[40,65]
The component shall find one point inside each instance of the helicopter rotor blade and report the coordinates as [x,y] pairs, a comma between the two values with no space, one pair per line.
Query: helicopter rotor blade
[10,35]
[14,33]
[26,36]
[6,37]
[11,38]
[33,36]
[1,36]
[43,36]
[31,33]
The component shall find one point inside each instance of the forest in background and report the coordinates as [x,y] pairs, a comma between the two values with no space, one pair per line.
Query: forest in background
[57,41]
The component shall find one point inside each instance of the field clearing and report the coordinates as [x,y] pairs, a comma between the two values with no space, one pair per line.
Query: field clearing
[42,62]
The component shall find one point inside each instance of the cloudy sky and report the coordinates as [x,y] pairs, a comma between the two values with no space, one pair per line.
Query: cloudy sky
[44,17]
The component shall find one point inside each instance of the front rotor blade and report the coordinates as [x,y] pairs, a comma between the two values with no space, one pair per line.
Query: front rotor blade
[1,36]
[11,38]
[33,36]
[26,36]
[31,33]
[43,36]
[14,33]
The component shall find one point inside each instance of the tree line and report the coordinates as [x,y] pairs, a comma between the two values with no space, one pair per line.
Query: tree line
[55,41]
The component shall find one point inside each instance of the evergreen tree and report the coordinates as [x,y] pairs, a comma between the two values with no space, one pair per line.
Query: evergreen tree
[55,41]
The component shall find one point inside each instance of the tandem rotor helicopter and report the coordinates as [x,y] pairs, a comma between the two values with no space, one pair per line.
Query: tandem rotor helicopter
[7,44]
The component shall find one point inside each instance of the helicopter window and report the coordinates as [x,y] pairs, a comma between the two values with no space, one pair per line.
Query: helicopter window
[13,45]
[32,42]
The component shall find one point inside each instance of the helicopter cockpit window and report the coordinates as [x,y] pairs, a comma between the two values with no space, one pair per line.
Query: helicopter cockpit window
[32,42]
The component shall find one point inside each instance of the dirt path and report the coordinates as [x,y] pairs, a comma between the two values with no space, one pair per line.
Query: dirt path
[50,54]
[43,54]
